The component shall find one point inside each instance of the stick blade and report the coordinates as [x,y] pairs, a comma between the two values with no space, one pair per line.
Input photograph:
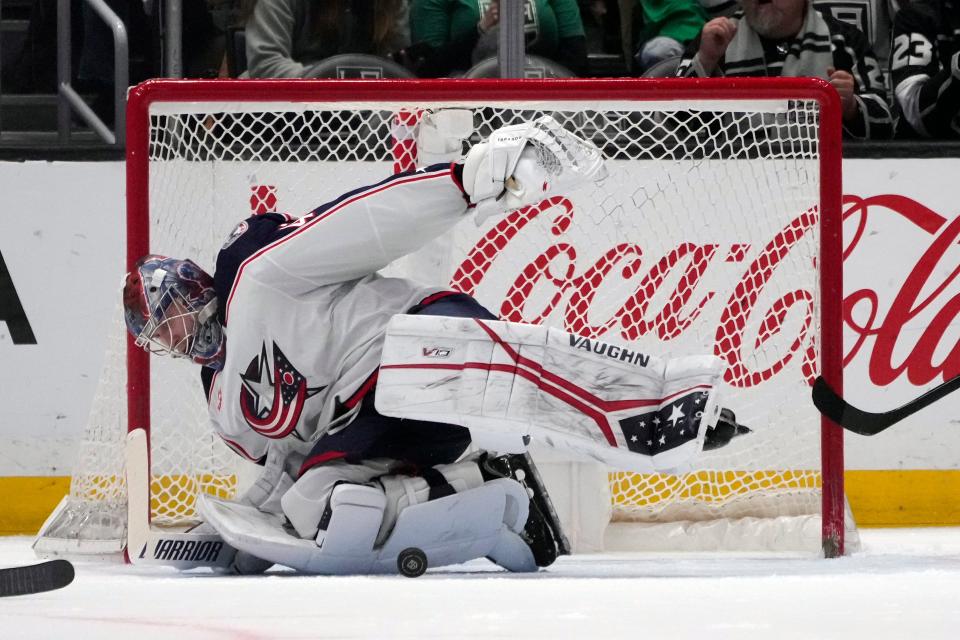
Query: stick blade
[846,415]
[867,423]
[138,494]
[827,401]
[36,578]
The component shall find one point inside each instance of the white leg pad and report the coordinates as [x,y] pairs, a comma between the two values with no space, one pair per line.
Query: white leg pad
[512,553]
[477,523]
[356,512]
[304,503]
[597,399]
[405,491]
[464,526]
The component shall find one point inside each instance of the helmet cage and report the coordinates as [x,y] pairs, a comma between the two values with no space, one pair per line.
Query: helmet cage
[168,303]
[172,327]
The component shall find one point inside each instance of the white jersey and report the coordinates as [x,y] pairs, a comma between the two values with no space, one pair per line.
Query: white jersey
[305,311]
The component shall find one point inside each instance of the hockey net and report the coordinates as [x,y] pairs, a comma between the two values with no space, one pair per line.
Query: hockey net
[717,231]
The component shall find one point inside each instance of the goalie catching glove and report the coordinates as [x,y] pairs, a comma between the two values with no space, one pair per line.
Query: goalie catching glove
[522,164]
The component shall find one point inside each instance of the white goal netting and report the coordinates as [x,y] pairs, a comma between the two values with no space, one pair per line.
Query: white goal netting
[705,238]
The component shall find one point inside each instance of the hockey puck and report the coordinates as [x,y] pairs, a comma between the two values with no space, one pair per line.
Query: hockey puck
[412,562]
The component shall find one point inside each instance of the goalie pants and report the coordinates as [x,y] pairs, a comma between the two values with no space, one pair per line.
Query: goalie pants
[419,442]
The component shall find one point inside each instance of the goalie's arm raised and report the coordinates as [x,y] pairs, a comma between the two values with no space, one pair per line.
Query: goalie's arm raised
[367,229]
[361,231]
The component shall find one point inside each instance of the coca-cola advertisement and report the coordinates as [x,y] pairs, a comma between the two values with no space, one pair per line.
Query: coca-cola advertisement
[645,261]
[901,304]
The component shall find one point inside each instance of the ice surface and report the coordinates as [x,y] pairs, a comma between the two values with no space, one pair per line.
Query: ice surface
[905,584]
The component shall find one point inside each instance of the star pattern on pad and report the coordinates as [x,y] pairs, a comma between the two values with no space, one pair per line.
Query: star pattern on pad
[666,427]
[675,414]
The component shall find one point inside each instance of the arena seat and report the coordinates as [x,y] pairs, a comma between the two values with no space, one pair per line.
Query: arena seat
[534,67]
[357,66]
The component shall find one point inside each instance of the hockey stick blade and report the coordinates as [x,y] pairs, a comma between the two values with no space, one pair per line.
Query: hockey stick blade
[36,578]
[866,423]
[181,549]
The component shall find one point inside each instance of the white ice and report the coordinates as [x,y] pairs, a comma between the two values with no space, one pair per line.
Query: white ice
[905,584]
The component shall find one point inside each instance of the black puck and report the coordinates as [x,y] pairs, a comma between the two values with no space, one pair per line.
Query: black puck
[412,562]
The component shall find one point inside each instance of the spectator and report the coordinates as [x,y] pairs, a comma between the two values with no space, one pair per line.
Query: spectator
[717,8]
[791,38]
[660,29]
[287,38]
[872,17]
[459,33]
[643,31]
[601,24]
[203,37]
[925,68]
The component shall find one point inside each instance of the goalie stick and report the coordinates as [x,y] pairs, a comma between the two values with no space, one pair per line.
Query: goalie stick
[867,423]
[36,578]
[145,545]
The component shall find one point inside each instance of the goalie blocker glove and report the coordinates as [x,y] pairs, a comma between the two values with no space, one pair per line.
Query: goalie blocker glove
[726,430]
[520,165]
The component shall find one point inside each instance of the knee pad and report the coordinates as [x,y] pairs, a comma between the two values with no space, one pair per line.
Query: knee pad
[350,521]
[305,502]
[480,522]
[437,482]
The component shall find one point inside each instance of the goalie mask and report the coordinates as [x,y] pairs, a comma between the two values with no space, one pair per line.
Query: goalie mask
[170,308]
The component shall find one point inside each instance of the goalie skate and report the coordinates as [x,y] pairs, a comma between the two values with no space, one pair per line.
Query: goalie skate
[542,532]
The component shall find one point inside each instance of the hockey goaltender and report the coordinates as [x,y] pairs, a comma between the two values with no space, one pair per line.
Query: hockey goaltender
[391,419]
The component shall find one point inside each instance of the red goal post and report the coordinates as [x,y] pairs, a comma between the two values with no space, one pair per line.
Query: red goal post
[713,150]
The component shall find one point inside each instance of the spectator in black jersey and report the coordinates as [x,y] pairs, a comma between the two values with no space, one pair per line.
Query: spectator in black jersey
[925,68]
[792,38]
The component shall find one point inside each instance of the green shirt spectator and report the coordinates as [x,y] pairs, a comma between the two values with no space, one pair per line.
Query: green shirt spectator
[451,28]
[662,29]
[677,19]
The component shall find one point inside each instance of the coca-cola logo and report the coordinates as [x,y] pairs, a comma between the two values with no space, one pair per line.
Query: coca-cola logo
[898,343]
[573,292]
[902,325]
[573,288]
